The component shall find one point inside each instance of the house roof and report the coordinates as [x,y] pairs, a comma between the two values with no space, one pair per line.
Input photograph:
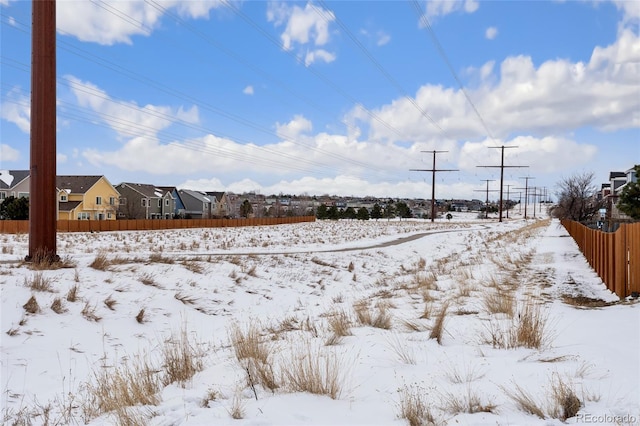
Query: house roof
[68,205]
[196,194]
[76,184]
[217,194]
[149,191]
[614,175]
[10,178]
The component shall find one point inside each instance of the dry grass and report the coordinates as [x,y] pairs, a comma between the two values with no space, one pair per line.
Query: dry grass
[187,300]
[181,359]
[72,294]
[470,402]
[89,312]
[57,307]
[39,283]
[414,408]
[140,316]
[110,303]
[339,324]
[193,266]
[499,301]
[101,262]
[585,302]
[438,326]
[311,371]
[530,328]
[32,306]
[237,407]
[159,258]
[113,390]
[559,401]
[248,343]
[402,349]
[148,279]
[381,318]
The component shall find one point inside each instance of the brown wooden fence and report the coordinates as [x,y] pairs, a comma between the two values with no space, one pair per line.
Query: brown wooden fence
[22,226]
[615,256]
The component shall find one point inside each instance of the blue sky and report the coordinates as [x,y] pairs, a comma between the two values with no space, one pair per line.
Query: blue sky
[333,97]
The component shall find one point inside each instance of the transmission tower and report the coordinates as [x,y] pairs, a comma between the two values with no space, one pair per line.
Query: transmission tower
[502,167]
[433,171]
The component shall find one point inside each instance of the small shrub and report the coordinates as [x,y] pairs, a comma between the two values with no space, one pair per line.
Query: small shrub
[310,371]
[89,312]
[248,343]
[181,359]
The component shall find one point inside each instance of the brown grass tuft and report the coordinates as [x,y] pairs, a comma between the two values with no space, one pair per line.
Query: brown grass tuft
[57,307]
[89,312]
[310,371]
[181,359]
[414,408]
[72,294]
[140,317]
[438,325]
[39,283]
[101,262]
[32,306]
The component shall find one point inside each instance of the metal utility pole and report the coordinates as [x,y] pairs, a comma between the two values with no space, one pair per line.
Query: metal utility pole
[502,167]
[433,171]
[42,186]
[486,204]
[526,192]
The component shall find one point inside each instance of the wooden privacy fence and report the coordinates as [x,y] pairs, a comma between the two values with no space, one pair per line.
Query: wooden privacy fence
[615,256]
[22,226]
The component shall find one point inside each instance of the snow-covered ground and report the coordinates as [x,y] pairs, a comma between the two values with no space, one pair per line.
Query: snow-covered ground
[325,323]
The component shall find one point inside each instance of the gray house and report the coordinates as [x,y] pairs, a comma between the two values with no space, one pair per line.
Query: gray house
[197,205]
[14,183]
[143,201]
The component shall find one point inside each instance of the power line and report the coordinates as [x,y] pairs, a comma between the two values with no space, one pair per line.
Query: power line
[486,205]
[526,192]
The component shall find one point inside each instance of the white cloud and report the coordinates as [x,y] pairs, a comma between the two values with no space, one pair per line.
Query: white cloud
[383,38]
[103,23]
[630,10]
[8,153]
[61,158]
[303,26]
[318,54]
[437,8]
[491,33]
[557,96]
[17,109]
[294,128]
[248,90]
[128,118]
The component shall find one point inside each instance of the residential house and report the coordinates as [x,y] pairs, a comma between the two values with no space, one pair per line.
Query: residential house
[86,198]
[179,205]
[197,205]
[221,206]
[144,201]
[14,183]
[617,182]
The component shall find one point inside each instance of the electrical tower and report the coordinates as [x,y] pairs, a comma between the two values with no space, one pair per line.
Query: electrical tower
[486,204]
[502,167]
[526,192]
[433,171]
[42,173]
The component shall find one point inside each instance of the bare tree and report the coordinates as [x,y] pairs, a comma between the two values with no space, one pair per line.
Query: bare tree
[577,198]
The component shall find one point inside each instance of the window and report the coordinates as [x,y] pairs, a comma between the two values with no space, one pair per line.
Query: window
[3,195]
[23,195]
[108,215]
[144,202]
[123,201]
[98,201]
[83,216]
[159,202]
[166,202]
[63,198]
[112,201]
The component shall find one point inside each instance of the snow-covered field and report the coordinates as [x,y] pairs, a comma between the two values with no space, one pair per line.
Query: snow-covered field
[326,323]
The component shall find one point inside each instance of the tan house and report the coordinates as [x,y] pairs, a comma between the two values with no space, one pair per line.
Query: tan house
[86,198]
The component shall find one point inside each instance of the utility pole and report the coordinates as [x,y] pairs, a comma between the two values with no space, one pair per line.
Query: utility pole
[502,167]
[42,182]
[486,204]
[526,192]
[508,199]
[433,171]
